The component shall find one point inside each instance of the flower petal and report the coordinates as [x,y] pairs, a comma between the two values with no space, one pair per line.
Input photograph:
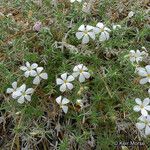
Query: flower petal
[100,25]
[70,78]
[33,73]
[65,101]
[36,80]
[86,75]
[102,37]
[76,68]
[69,86]
[82,28]
[9,90]
[59,81]
[144,112]
[96,30]
[85,68]
[29,91]
[80,66]
[144,80]
[22,88]
[79,35]
[107,29]
[136,108]
[138,101]
[146,101]
[28,97]
[27,64]
[65,109]
[106,35]
[92,35]
[148,69]
[23,68]
[63,88]
[89,28]
[58,99]
[140,125]
[75,74]
[147,130]
[81,78]
[44,76]
[72,1]
[34,65]
[39,69]
[147,107]
[85,39]
[21,100]
[14,85]
[142,72]
[64,76]
[26,74]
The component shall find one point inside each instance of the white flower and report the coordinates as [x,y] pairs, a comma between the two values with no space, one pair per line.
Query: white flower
[64,81]
[72,1]
[39,75]
[13,89]
[131,13]
[104,31]
[136,56]
[23,94]
[144,124]
[117,26]
[79,102]
[29,69]
[142,106]
[62,103]
[145,73]
[84,33]
[149,91]
[81,71]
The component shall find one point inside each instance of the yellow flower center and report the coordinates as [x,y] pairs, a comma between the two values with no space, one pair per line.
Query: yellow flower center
[85,32]
[23,93]
[102,30]
[146,122]
[65,81]
[148,75]
[81,71]
[141,106]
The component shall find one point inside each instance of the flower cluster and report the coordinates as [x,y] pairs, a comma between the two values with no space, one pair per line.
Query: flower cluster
[85,32]
[34,71]
[137,56]
[23,93]
[65,82]
[142,106]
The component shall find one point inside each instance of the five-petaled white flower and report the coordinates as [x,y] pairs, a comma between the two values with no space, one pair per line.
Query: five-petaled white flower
[84,33]
[103,30]
[13,89]
[23,94]
[62,103]
[39,75]
[142,106]
[136,56]
[72,1]
[144,124]
[81,71]
[29,69]
[64,81]
[145,73]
